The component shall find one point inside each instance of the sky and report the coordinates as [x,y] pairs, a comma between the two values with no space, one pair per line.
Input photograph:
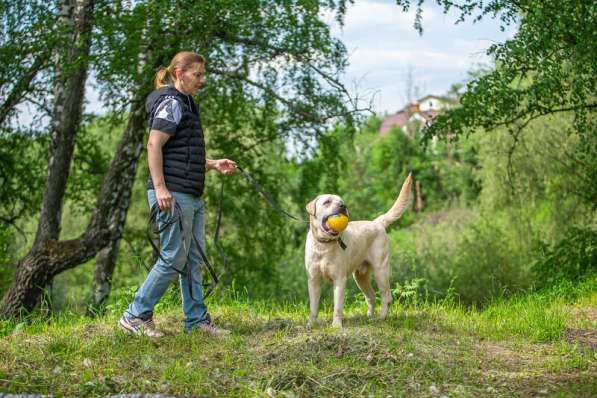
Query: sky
[383,47]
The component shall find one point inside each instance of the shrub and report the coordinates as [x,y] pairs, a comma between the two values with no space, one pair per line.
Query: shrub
[574,257]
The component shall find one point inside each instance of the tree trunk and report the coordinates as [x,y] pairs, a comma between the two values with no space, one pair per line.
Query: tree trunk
[418,197]
[69,90]
[102,278]
[106,259]
[52,257]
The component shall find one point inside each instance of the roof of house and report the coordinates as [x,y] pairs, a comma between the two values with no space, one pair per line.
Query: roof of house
[430,97]
[399,119]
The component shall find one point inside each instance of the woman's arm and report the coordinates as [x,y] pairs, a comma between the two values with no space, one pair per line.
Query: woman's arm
[157,139]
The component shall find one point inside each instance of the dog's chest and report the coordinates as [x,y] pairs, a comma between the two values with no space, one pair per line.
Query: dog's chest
[327,264]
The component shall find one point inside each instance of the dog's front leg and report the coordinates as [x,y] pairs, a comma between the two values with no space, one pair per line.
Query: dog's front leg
[339,287]
[314,294]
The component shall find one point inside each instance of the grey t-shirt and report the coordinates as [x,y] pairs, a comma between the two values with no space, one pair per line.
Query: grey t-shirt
[167,115]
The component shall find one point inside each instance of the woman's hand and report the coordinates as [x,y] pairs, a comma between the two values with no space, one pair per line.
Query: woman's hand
[164,198]
[224,166]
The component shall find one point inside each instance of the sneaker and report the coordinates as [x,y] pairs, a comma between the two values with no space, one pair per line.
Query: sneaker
[139,327]
[210,328]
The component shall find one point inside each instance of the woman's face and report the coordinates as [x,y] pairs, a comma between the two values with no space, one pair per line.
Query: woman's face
[190,80]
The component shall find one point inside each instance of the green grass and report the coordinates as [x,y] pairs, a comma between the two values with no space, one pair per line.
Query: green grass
[542,344]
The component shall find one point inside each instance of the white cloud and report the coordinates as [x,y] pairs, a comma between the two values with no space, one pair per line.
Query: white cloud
[375,60]
[371,16]
[383,45]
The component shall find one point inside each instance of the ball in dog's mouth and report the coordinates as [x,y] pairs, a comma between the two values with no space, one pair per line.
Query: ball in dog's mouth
[335,223]
[327,229]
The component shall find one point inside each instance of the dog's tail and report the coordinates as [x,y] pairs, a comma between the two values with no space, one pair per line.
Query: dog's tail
[400,205]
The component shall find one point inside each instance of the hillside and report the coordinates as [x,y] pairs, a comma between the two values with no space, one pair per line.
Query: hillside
[543,344]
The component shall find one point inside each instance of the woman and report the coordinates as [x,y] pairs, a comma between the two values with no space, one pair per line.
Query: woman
[177,166]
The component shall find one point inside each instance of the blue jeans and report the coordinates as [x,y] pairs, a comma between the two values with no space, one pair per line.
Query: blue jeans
[179,250]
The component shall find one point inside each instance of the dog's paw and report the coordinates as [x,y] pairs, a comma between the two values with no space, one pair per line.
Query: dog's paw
[337,323]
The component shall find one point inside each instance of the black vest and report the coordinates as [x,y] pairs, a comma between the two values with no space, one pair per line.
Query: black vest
[184,153]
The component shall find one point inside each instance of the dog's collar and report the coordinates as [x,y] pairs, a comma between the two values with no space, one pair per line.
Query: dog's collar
[339,240]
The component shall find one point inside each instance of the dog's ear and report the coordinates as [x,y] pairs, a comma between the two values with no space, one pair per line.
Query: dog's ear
[311,207]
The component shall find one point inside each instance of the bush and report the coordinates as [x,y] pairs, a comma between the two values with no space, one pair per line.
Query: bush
[472,257]
[573,258]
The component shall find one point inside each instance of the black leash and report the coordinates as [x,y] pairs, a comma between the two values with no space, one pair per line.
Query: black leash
[218,223]
[260,190]
[177,218]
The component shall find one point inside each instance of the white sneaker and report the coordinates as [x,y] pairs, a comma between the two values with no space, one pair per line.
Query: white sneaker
[139,327]
[211,329]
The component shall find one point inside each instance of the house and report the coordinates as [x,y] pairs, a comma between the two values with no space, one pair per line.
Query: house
[413,116]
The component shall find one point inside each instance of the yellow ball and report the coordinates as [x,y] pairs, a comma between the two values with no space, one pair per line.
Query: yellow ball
[338,222]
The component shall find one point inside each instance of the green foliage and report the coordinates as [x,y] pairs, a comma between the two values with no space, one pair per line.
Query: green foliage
[547,68]
[527,195]
[464,256]
[94,148]
[572,258]
[22,167]
[537,171]
[553,46]
[268,73]
[29,35]
[410,292]
[367,170]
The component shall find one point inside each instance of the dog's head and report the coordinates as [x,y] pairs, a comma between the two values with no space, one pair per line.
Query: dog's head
[320,209]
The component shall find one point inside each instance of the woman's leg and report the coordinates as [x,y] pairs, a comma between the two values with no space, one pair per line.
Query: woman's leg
[194,307]
[172,250]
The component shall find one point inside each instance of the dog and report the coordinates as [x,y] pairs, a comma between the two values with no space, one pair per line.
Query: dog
[362,249]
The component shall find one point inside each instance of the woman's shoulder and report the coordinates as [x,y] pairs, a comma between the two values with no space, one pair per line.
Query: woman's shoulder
[158,96]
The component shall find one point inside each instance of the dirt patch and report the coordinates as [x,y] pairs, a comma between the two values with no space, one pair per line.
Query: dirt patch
[584,338]
[579,314]
[583,327]
[505,356]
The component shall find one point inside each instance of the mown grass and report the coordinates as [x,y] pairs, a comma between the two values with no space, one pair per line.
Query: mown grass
[542,344]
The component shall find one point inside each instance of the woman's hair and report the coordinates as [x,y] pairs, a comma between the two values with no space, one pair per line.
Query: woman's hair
[182,60]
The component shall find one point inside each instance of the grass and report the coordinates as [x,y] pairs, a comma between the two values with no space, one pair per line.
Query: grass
[542,344]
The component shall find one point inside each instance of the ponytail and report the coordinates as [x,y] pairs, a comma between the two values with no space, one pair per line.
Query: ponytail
[162,78]
[181,60]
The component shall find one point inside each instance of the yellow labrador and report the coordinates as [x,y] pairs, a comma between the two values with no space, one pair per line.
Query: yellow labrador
[362,249]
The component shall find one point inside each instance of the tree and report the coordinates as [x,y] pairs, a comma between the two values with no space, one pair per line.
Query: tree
[548,67]
[274,72]
[30,34]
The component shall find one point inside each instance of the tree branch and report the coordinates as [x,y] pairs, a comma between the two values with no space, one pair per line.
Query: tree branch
[22,87]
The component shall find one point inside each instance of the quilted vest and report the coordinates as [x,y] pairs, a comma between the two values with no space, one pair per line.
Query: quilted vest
[184,153]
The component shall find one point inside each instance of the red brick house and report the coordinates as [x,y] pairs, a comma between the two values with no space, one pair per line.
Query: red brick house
[413,116]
